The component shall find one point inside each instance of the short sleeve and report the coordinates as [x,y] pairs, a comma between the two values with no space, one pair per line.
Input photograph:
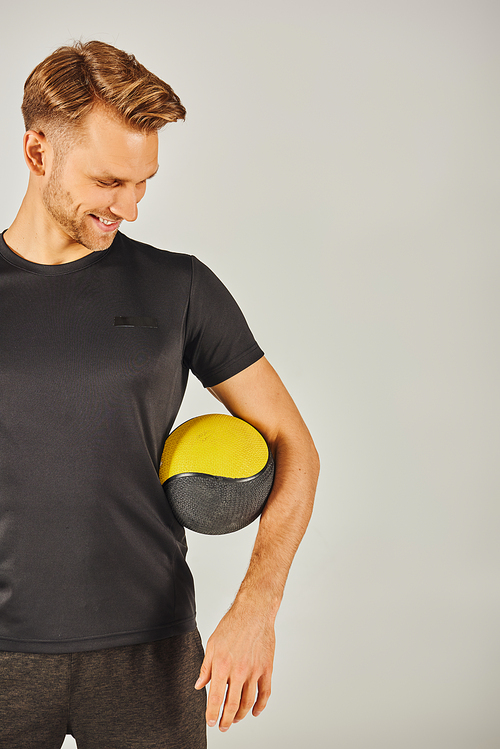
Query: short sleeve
[218,341]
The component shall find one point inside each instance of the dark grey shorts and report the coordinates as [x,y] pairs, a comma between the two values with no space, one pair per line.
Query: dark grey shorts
[133,697]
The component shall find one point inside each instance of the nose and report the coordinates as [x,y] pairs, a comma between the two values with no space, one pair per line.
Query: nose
[125,203]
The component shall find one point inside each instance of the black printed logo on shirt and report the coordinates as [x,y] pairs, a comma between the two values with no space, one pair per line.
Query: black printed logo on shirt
[136,322]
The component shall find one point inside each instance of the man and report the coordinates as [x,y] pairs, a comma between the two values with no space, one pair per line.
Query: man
[97,622]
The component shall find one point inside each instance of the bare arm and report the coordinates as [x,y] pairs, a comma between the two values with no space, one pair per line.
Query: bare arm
[240,652]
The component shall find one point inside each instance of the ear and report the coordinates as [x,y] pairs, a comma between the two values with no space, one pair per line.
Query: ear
[36,152]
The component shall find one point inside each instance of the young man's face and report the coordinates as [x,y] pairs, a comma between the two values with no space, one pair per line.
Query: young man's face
[99,180]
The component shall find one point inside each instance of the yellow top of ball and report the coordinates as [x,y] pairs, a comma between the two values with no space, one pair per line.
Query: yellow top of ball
[215,444]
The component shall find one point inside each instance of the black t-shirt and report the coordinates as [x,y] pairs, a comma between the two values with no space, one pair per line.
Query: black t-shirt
[94,362]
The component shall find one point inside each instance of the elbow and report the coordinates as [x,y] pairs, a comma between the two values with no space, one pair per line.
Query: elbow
[298,449]
[314,460]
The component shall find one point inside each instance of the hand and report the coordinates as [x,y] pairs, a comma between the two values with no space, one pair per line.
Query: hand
[239,656]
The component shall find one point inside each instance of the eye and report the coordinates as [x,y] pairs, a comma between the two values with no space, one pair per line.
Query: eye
[102,183]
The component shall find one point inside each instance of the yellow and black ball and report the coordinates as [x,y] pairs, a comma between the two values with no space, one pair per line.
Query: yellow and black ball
[217,472]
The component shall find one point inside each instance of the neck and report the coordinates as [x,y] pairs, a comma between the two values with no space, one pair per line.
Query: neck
[34,237]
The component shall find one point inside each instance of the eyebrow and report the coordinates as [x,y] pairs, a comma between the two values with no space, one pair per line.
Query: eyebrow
[111,177]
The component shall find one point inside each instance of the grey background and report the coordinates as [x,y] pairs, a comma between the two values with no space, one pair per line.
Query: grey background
[339,170]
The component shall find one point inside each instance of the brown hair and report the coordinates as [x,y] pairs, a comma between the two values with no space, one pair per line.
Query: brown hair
[65,86]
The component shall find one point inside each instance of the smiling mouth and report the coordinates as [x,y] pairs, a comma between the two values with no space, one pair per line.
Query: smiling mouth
[105,224]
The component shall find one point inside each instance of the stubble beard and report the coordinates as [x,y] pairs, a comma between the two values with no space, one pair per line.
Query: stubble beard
[59,204]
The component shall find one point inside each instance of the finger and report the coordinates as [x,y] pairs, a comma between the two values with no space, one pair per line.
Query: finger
[205,673]
[247,700]
[215,700]
[231,705]
[264,694]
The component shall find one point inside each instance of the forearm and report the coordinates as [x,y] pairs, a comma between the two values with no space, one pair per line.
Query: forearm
[283,522]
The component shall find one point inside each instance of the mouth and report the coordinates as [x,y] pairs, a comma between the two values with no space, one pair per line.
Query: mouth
[105,224]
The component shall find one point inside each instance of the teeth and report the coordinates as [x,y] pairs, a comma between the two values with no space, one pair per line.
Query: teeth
[105,221]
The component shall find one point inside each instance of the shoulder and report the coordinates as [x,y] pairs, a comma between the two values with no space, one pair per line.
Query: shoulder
[142,253]
[139,256]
